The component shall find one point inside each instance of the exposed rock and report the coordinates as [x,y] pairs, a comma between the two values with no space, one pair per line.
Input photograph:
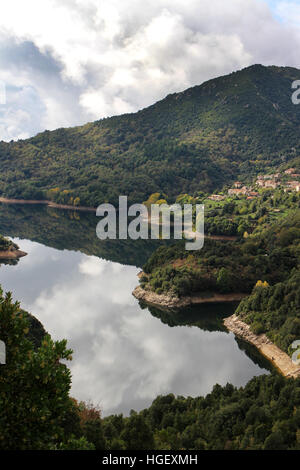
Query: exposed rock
[163,301]
[172,302]
[279,358]
[12,254]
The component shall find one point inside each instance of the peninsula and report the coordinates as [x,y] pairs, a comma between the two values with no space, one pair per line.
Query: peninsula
[9,250]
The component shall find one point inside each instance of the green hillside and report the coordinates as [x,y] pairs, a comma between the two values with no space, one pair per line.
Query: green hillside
[227,128]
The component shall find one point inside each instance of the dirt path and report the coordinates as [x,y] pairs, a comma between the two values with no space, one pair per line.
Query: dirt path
[275,355]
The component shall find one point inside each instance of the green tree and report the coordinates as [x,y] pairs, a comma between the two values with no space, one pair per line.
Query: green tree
[275,441]
[137,435]
[223,280]
[34,385]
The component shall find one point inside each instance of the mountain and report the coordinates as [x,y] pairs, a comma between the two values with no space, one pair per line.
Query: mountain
[197,140]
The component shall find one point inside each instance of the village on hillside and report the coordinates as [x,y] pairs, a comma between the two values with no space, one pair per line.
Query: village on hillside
[287,180]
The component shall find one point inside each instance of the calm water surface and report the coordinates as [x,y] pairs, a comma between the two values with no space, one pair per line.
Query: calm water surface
[124,355]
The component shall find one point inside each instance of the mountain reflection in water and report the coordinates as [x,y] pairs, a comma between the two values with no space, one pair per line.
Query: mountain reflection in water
[124,356]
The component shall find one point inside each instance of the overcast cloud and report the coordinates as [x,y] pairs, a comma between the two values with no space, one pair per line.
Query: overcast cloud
[66,62]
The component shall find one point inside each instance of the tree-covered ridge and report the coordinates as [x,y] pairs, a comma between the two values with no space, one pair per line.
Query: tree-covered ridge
[268,254]
[275,311]
[266,262]
[200,139]
[264,415]
[37,413]
[34,385]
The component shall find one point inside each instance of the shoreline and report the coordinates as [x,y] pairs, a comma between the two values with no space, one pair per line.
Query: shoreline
[55,205]
[273,353]
[45,202]
[167,302]
[12,254]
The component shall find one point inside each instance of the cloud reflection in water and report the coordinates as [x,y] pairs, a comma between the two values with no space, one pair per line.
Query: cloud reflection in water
[123,356]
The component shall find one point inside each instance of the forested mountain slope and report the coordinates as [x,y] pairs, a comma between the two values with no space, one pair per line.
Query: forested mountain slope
[200,139]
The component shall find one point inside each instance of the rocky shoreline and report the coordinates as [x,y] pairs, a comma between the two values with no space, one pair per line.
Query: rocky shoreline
[274,354]
[169,302]
[12,254]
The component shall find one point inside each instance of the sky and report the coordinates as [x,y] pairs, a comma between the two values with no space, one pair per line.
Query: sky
[67,62]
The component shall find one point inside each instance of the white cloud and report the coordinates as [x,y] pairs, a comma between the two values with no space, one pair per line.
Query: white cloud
[91,266]
[87,59]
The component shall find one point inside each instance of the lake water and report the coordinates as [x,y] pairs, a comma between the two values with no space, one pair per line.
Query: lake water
[80,288]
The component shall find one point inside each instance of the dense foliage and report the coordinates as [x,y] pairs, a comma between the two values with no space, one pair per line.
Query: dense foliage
[265,246]
[224,266]
[34,385]
[264,415]
[275,310]
[200,139]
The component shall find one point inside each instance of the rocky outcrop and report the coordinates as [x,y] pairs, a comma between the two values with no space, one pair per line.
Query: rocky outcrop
[12,254]
[279,358]
[170,302]
[163,301]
